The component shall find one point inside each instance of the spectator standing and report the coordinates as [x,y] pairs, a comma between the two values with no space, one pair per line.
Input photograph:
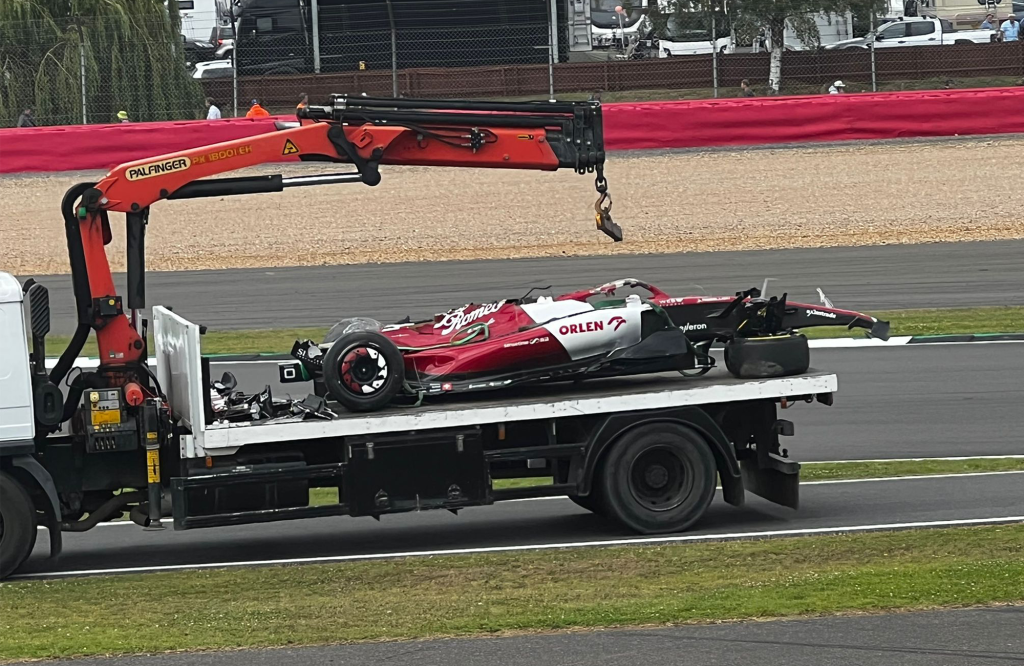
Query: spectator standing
[212,111]
[257,111]
[836,88]
[745,89]
[1010,29]
[303,101]
[26,119]
[987,23]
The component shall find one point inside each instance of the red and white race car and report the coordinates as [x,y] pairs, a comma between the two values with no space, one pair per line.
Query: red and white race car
[364,365]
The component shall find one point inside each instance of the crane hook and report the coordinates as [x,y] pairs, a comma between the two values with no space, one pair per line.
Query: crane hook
[603,211]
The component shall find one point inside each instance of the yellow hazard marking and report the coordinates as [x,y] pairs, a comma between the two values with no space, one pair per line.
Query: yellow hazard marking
[289,148]
[150,435]
[153,465]
[106,417]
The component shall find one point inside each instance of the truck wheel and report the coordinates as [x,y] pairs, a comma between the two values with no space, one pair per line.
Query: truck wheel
[658,478]
[760,358]
[363,371]
[17,525]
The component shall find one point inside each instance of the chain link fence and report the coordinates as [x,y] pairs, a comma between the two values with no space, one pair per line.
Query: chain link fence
[90,70]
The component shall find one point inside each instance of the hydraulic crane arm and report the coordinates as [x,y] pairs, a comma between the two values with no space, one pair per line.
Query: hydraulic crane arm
[361,131]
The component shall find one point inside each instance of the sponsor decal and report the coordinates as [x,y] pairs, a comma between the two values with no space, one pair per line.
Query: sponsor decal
[592,326]
[158,168]
[221,155]
[447,386]
[289,148]
[586,327]
[458,319]
[523,343]
[693,327]
[821,313]
[525,137]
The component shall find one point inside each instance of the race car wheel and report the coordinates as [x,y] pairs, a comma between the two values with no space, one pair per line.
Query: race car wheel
[17,525]
[760,358]
[658,478]
[363,371]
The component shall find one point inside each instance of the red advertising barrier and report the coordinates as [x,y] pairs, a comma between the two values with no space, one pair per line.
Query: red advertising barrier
[768,120]
[648,125]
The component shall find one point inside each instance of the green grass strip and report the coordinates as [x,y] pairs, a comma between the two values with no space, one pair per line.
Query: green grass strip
[527,591]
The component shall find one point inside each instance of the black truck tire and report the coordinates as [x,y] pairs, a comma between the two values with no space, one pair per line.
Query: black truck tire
[363,371]
[657,478]
[760,358]
[17,525]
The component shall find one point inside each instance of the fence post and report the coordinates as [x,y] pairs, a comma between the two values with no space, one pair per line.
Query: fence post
[234,67]
[552,47]
[81,60]
[316,36]
[871,31]
[394,52]
[714,57]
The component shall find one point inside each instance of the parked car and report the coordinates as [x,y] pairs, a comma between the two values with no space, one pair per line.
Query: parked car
[198,51]
[916,31]
[223,39]
[213,69]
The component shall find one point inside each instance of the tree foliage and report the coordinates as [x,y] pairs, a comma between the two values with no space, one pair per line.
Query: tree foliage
[747,19]
[131,51]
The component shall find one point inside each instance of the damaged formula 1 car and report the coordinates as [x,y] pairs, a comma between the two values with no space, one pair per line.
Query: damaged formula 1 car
[585,334]
[761,334]
[364,365]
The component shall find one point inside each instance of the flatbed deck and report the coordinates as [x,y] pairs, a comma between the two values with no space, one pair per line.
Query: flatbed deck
[178,367]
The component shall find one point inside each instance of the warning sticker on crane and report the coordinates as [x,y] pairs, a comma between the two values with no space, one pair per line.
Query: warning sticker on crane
[290,148]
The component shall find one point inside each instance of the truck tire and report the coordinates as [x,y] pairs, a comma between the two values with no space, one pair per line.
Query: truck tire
[760,358]
[658,478]
[363,371]
[17,525]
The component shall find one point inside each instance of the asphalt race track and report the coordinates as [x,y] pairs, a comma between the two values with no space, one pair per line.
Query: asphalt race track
[910,401]
[893,402]
[966,637]
[867,278]
[531,522]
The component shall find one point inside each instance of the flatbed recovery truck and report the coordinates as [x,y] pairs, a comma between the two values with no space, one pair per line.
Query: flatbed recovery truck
[137,434]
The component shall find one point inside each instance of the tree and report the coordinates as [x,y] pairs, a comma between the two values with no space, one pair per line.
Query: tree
[129,53]
[750,17]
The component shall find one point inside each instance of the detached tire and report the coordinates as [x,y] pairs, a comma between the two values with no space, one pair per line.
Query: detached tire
[761,358]
[658,478]
[363,371]
[17,525]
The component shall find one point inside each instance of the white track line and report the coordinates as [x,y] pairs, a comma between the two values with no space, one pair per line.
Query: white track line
[885,460]
[734,536]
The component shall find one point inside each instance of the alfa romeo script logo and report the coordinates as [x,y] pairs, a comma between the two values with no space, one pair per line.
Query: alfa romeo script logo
[459,319]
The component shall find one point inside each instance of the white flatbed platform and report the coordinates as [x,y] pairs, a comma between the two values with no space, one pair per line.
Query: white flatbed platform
[179,372]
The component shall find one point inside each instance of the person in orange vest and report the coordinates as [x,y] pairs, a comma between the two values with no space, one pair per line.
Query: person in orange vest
[257,111]
[303,101]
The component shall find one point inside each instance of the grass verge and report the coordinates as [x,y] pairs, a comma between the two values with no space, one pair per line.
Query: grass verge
[531,591]
[945,321]
[809,472]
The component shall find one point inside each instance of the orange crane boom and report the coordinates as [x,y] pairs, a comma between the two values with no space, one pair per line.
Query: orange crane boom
[361,131]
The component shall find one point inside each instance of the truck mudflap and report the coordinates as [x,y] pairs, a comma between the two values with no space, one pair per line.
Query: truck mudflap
[775,479]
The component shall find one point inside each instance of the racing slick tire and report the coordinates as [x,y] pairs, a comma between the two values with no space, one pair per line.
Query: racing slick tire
[760,358]
[657,478]
[17,525]
[363,371]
